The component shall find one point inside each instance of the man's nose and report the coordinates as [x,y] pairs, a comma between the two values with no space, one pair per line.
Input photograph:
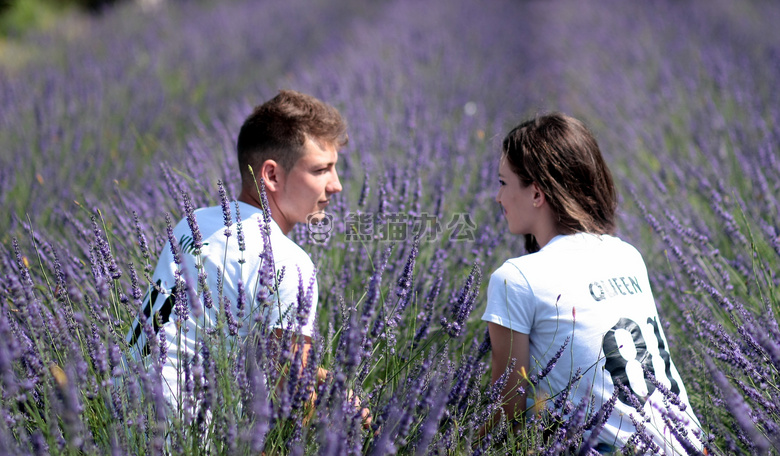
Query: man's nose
[335,185]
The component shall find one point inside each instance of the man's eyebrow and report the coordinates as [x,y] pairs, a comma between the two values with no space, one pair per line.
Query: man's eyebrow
[319,164]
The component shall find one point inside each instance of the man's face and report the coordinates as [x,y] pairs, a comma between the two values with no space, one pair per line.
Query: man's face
[307,187]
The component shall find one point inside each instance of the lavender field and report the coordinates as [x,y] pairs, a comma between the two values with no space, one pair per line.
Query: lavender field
[114,123]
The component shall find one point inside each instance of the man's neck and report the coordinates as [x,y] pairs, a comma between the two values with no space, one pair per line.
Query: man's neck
[251,198]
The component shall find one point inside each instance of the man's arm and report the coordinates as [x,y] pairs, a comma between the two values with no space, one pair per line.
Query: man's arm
[507,345]
[304,344]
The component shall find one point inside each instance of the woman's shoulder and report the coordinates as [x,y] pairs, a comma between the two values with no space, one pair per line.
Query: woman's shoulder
[509,267]
[564,244]
[571,249]
[511,271]
[509,278]
[619,245]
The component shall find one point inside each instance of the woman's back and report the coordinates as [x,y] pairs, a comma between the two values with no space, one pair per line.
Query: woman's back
[591,293]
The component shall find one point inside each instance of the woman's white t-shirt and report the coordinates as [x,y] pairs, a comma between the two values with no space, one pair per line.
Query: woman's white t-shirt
[595,291]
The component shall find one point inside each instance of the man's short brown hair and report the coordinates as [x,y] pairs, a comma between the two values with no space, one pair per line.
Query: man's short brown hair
[278,129]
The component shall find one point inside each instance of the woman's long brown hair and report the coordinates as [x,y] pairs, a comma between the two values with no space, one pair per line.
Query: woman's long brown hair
[561,156]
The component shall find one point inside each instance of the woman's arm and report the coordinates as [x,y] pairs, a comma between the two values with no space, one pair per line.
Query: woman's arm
[507,345]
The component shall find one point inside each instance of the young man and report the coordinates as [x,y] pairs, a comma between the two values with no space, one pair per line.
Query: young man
[291,142]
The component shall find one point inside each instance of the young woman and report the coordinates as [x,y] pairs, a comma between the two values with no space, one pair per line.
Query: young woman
[580,288]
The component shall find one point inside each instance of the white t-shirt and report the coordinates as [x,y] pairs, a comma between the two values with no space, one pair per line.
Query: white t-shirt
[607,310]
[221,256]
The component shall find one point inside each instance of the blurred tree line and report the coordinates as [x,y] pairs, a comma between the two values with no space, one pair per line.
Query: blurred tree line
[90,5]
[19,16]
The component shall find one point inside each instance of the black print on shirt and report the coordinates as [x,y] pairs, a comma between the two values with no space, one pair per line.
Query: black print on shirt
[161,317]
[631,372]
[616,286]
[187,245]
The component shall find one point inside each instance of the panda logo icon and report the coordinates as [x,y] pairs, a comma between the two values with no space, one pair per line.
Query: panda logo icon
[320,224]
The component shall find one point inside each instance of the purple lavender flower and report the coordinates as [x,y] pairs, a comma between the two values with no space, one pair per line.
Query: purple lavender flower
[551,364]
[105,251]
[163,347]
[405,281]
[364,192]
[189,211]
[142,243]
[207,398]
[265,206]
[136,292]
[240,299]
[304,298]
[738,408]
[230,320]
[203,290]
[225,208]
[424,318]
[240,233]
[173,243]
[464,304]
[597,421]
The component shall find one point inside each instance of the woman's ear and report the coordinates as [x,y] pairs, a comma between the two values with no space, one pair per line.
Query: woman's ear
[538,196]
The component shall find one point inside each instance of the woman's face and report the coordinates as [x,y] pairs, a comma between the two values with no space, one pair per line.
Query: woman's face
[516,200]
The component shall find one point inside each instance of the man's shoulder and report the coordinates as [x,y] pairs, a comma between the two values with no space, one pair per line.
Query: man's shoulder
[208,220]
[203,216]
[211,224]
[288,251]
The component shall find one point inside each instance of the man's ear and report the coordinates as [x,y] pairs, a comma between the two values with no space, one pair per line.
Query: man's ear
[273,175]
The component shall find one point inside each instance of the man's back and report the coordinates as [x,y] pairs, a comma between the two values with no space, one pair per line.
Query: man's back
[236,264]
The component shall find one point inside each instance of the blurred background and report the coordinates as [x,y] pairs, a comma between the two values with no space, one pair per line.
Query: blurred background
[109,111]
